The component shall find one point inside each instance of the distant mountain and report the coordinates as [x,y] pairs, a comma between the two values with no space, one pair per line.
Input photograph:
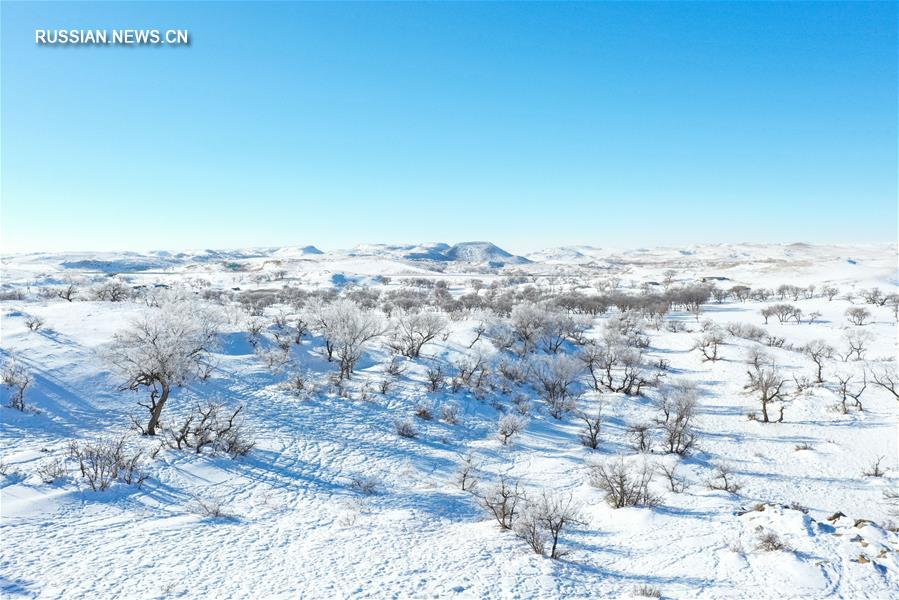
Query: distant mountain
[567,255]
[480,253]
[483,252]
[291,251]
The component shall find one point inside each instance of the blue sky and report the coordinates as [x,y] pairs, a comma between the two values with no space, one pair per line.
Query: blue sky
[530,125]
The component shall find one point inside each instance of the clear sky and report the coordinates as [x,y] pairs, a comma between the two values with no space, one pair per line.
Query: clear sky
[528,125]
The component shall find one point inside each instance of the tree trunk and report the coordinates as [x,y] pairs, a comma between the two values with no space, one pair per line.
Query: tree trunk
[156,411]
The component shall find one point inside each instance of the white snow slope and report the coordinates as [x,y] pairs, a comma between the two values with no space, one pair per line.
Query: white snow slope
[295,526]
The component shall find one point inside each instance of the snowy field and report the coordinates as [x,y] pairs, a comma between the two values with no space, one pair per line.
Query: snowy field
[344,477]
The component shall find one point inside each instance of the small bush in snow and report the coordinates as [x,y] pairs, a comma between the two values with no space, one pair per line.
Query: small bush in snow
[624,485]
[365,485]
[33,322]
[502,501]
[641,436]
[104,462]
[676,483]
[449,413]
[509,426]
[405,428]
[875,470]
[424,409]
[467,476]
[589,435]
[435,378]
[211,509]
[212,426]
[17,378]
[770,542]
[52,471]
[723,480]
[522,404]
[647,591]
[543,520]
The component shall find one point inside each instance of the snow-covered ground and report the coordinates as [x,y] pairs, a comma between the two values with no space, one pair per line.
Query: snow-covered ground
[295,520]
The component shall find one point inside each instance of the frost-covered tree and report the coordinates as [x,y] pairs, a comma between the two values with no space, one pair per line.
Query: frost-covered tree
[555,377]
[677,403]
[528,320]
[543,520]
[347,330]
[768,383]
[17,378]
[887,379]
[858,315]
[414,329]
[166,347]
[819,351]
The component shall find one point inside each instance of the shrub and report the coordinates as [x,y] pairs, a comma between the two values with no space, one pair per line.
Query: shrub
[467,476]
[52,471]
[17,378]
[33,322]
[543,521]
[502,501]
[723,480]
[875,470]
[449,413]
[211,509]
[509,426]
[365,485]
[405,428]
[104,462]
[589,435]
[213,427]
[770,542]
[624,485]
[424,409]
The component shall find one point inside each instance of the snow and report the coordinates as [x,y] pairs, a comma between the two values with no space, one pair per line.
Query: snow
[297,527]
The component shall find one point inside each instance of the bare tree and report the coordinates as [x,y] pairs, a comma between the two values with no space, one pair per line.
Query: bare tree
[17,378]
[843,382]
[589,436]
[502,501]
[624,486]
[555,377]
[768,383]
[527,322]
[479,330]
[467,476]
[112,290]
[708,344]
[857,340]
[858,315]
[348,329]
[677,403]
[33,322]
[757,357]
[412,330]
[830,292]
[887,379]
[509,426]
[167,347]
[723,480]
[543,521]
[819,351]
[67,292]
